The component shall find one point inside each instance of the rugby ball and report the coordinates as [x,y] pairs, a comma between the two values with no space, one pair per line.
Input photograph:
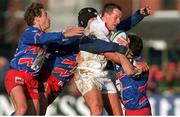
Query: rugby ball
[119,35]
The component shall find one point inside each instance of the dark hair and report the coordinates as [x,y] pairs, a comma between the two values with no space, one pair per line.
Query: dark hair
[136,44]
[109,7]
[34,10]
[85,14]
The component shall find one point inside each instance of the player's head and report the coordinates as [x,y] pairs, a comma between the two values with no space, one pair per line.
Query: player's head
[136,44]
[111,15]
[85,15]
[36,15]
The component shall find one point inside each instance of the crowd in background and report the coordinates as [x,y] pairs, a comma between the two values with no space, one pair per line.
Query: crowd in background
[165,81]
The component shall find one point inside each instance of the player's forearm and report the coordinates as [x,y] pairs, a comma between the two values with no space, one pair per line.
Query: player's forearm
[126,65]
[124,62]
[130,22]
[97,46]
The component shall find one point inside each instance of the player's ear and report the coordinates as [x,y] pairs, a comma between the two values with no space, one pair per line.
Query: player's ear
[37,19]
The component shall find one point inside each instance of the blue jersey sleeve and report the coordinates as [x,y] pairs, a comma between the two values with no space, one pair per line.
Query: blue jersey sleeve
[35,36]
[70,45]
[85,43]
[44,38]
[96,46]
[130,22]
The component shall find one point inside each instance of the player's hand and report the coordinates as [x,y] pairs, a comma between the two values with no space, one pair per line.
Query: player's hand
[123,41]
[143,66]
[145,11]
[73,31]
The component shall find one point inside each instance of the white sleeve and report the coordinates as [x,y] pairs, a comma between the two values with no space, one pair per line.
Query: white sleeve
[98,28]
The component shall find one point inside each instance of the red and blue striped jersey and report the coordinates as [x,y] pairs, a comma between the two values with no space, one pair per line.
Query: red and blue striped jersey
[31,50]
[133,89]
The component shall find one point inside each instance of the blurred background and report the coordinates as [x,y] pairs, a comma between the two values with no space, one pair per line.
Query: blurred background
[160,32]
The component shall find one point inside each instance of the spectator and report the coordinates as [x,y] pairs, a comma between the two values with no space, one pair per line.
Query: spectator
[155,77]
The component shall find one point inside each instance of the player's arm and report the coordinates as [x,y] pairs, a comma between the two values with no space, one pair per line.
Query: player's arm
[89,44]
[69,45]
[97,46]
[131,21]
[44,38]
[121,59]
[31,37]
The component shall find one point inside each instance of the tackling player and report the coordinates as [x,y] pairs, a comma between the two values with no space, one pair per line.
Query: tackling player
[20,80]
[59,67]
[132,89]
[90,87]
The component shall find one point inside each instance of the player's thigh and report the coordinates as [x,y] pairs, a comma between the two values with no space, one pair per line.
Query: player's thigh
[33,107]
[43,102]
[112,98]
[93,98]
[18,97]
[112,103]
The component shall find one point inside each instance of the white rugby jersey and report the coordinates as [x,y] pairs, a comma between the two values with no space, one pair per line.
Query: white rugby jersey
[94,62]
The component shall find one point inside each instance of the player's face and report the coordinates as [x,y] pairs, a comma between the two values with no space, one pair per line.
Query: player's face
[44,20]
[113,19]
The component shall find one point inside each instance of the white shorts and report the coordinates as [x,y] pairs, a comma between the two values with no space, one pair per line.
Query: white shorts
[107,83]
[87,80]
